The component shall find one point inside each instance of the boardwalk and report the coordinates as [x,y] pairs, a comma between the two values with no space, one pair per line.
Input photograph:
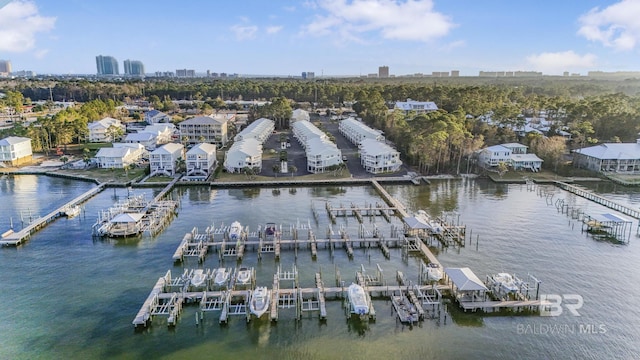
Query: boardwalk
[599,199]
[16,238]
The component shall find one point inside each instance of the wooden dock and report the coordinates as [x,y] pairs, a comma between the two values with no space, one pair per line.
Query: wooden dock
[598,199]
[16,238]
[390,200]
[507,304]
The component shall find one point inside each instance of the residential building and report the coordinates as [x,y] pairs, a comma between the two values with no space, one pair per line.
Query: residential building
[299,115]
[163,132]
[377,157]
[163,160]
[185,73]
[133,68]
[201,161]
[155,116]
[146,139]
[105,130]
[260,130]
[210,129]
[243,154]
[321,153]
[120,155]
[356,131]
[417,107]
[15,151]
[609,158]
[383,71]
[492,156]
[107,65]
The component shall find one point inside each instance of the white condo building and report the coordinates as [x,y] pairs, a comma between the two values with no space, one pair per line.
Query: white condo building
[356,131]
[260,130]
[15,150]
[163,160]
[201,161]
[320,151]
[243,154]
[100,131]
[120,155]
[377,157]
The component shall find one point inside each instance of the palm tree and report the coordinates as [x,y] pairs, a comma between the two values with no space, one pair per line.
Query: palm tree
[293,169]
[276,169]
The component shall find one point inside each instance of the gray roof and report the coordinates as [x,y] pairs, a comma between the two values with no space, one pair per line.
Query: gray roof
[12,140]
[525,157]
[620,151]
[203,120]
[464,279]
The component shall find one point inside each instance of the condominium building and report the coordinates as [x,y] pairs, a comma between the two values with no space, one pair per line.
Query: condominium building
[133,68]
[107,65]
[210,129]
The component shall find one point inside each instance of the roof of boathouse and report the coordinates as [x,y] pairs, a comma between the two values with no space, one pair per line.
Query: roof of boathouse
[464,279]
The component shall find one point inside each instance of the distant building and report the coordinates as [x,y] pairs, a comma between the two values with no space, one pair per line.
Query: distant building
[15,150]
[5,67]
[308,75]
[455,73]
[383,71]
[107,65]
[99,131]
[185,73]
[133,68]
[155,117]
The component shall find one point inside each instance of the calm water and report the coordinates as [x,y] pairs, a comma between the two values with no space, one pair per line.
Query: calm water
[66,295]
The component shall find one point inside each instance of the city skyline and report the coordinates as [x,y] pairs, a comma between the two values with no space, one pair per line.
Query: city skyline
[328,37]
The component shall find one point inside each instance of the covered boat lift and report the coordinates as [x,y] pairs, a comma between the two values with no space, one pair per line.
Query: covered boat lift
[465,285]
[609,225]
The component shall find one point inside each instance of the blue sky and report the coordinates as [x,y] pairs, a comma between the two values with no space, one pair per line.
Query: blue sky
[330,37]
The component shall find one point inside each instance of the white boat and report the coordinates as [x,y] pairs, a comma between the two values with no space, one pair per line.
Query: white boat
[358,299]
[270,229]
[260,301]
[221,277]
[434,272]
[71,211]
[235,231]
[198,278]
[243,277]
[506,283]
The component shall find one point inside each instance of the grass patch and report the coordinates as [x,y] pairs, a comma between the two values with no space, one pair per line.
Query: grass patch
[106,175]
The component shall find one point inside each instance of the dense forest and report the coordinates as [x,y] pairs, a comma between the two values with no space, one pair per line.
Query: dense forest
[473,112]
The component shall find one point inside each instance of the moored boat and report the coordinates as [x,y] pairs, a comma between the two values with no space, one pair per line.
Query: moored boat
[221,276]
[506,283]
[198,278]
[243,277]
[235,231]
[71,211]
[260,301]
[434,272]
[358,299]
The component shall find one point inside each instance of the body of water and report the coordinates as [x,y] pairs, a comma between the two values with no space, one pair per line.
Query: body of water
[68,295]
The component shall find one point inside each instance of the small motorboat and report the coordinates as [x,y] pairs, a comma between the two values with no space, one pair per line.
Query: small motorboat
[434,272]
[243,277]
[506,283]
[358,299]
[221,276]
[198,278]
[260,301]
[270,229]
[71,211]
[235,231]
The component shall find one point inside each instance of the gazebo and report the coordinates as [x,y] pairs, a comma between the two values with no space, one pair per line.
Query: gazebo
[126,224]
[465,284]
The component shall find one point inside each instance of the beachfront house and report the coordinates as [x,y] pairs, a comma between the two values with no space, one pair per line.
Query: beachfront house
[243,154]
[512,154]
[621,158]
[163,160]
[201,161]
[377,157]
[156,117]
[120,155]
[15,151]
[105,130]
[210,129]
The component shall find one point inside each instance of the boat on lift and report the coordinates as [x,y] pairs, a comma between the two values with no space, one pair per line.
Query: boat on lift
[358,299]
[235,231]
[243,277]
[198,278]
[260,301]
[221,276]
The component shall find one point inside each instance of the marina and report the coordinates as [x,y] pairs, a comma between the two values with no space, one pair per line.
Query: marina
[197,321]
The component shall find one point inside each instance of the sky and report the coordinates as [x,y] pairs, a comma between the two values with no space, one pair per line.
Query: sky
[327,37]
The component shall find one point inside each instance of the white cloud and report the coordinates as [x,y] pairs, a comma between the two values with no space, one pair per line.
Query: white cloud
[615,26]
[273,29]
[558,62]
[19,24]
[41,53]
[244,32]
[411,20]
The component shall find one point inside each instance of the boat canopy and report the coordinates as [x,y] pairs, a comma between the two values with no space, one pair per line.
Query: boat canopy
[127,218]
[416,223]
[464,279]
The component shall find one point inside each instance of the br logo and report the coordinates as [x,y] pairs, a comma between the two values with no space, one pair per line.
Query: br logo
[554,304]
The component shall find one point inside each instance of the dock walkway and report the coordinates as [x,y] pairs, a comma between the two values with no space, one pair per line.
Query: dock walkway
[16,238]
[598,199]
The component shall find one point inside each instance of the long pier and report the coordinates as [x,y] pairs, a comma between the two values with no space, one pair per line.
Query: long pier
[390,200]
[599,199]
[16,238]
